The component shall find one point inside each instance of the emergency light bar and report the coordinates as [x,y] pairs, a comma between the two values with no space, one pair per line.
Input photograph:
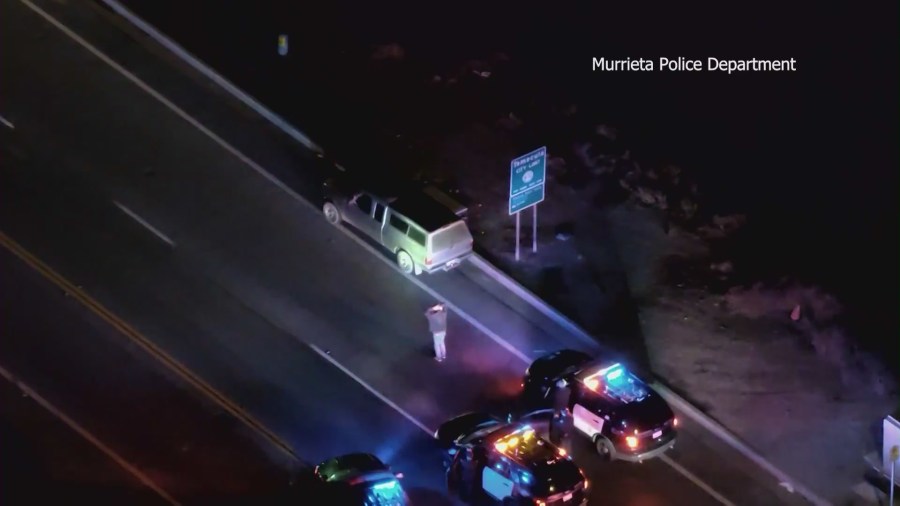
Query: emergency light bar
[386,485]
[608,374]
[522,435]
[512,439]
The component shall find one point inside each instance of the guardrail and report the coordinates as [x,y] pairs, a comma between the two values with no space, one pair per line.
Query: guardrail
[489,269]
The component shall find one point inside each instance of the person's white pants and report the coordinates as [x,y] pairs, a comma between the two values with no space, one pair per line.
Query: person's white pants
[440,350]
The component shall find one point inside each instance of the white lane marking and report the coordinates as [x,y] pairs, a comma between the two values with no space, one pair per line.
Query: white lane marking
[293,132]
[146,225]
[7,123]
[263,172]
[213,76]
[278,183]
[158,96]
[371,389]
[81,431]
[695,480]
[471,320]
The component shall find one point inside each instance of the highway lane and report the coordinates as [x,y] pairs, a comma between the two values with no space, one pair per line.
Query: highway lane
[51,201]
[44,461]
[95,376]
[238,241]
[318,410]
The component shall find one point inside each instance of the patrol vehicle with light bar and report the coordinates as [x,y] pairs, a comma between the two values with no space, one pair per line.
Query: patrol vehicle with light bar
[358,479]
[623,417]
[492,461]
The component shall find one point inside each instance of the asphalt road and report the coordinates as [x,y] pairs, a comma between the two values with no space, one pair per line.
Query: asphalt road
[91,373]
[244,284]
[44,461]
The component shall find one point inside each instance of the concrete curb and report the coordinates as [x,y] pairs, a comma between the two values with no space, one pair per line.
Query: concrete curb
[214,76]
[490,270]
[528,296]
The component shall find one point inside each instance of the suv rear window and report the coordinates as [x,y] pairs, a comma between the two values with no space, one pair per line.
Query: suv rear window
[446,238]
[417,235]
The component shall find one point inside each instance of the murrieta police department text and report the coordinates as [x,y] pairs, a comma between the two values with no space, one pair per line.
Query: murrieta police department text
[682,64]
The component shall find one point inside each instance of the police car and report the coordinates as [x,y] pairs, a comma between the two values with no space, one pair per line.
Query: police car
[622,415]
[492,461]
[357,479]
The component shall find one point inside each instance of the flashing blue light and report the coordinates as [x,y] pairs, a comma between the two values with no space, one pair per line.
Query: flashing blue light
[526,478]
[387,485]
[612,372]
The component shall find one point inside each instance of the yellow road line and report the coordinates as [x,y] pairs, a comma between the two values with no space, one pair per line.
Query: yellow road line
[147,345]
[124,464]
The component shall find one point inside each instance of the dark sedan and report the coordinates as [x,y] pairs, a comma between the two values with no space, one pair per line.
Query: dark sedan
[358,479]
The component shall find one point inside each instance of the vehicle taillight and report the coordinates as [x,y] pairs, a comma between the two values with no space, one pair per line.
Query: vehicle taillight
[538,502]
[427,260]
[586,484]
[674,422]
[631,441]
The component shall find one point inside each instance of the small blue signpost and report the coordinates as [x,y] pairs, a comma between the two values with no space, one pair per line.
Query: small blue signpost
[527,175]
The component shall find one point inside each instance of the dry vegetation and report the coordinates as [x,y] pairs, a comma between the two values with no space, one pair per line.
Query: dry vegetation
[738,347]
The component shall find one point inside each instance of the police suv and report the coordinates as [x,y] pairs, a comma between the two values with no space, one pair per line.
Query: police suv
[622,415]
[489,460]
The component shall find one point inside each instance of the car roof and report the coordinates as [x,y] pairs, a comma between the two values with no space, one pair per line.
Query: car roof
[521,444]
[613,381]
[349,465]
[406,197]
[563,362]
[424,211]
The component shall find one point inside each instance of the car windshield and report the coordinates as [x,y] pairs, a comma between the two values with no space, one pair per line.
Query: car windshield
[354,464]
[558,363]
[387,491]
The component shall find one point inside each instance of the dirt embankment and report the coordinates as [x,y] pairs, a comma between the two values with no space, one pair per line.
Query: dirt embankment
[631,251]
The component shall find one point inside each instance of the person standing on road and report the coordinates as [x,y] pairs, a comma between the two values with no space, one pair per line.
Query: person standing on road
[437,323]
[561,395]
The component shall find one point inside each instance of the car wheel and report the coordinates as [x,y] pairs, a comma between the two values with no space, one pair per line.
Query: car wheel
[604,448]
[405,262]
[332,215]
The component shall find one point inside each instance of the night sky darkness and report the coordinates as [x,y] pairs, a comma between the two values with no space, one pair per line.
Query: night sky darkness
[811,155]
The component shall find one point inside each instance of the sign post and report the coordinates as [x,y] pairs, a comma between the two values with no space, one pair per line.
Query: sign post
[895,453]
[527,175]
